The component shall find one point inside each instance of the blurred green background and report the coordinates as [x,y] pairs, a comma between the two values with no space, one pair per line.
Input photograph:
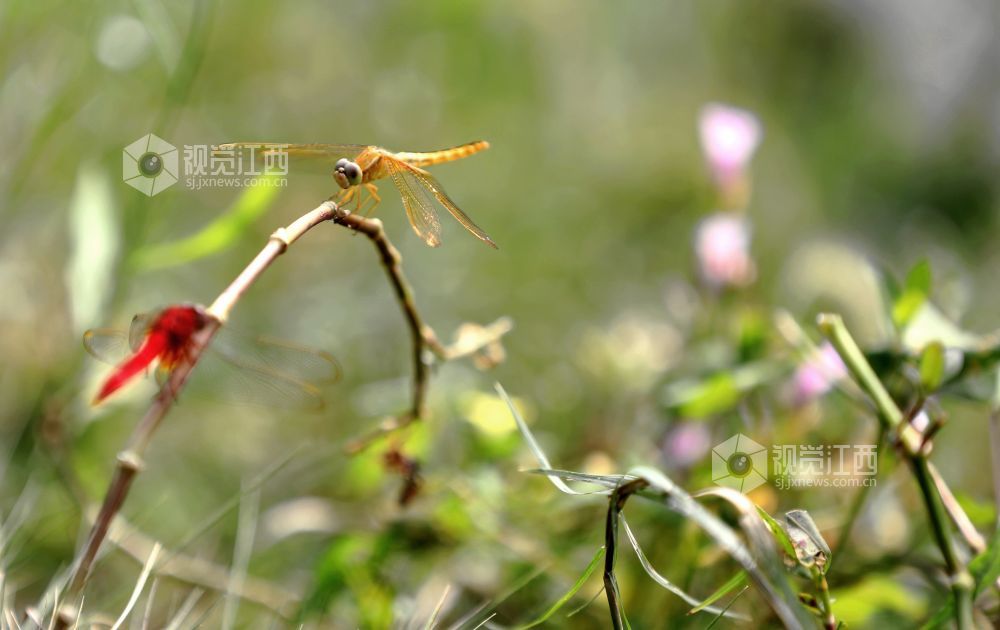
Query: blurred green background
[880,149]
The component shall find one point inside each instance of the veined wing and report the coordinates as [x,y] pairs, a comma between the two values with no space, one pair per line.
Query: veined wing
[111,345]
[427,181]
[280,357]
[417,200]
[236,368]
[108,345]
[324,152]
[267,372]
[139,328]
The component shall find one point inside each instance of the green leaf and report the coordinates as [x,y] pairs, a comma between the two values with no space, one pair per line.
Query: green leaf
[857,604]
[713,395]
[667,584]
[344,555]
[94,244]
[919,278]
[985,567]
[731,602]
[932,366]
[906,307]
[570,593]
[737,580]
[779,533]
[981,513]
[915,292]
[942,618]
[806,538]
[721,391]
[214,237]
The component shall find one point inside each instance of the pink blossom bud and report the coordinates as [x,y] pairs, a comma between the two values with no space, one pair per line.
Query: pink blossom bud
[729,137]
[818,374]
[722,244]
[687,444]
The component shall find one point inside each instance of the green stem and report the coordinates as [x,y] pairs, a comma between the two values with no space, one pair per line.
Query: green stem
[826,603]
[910,442]
[855,511]
[961,580]
[889,413]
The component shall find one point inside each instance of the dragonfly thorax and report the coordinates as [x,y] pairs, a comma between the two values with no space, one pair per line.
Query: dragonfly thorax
[347,173]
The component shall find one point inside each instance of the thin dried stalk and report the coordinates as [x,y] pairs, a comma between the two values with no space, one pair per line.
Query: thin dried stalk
[422,336]
[129,461]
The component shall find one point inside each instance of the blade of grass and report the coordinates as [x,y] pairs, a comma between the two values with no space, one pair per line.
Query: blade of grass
[731,602]
[139,586]
[437,609]
[530,439]
[778,532]
[496,601]
[189,603]
[569,594]
[245,533]
[582,606]
[608,481]
[766,568]
[733,582]
[664,582]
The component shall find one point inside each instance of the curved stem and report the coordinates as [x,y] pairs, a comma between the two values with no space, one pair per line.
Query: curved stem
[911,447]
[129,461]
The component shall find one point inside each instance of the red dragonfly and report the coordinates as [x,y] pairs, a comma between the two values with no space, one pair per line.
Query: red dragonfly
[272,372]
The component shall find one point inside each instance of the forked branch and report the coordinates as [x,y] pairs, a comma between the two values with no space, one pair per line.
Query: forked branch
[425,344]
[129,461]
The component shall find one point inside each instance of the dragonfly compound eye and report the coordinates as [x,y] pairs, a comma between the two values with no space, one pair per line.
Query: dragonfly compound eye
[347,173]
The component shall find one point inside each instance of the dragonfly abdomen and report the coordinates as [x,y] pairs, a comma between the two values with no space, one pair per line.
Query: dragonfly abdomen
[444,155]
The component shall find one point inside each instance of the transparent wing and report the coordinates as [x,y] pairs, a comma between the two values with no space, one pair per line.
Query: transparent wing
[418,201]
[277,356]
[138,329]
[264,371]
[111,345]
[324,152]
[236,369]
[428,181]
[108,345]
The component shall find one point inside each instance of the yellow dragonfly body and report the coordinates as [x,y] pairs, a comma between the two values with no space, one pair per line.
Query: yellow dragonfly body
[357,166]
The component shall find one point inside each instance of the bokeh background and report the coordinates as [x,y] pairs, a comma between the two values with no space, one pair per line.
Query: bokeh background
[880,148]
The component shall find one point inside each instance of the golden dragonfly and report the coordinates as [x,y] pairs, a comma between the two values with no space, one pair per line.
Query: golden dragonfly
[357,166]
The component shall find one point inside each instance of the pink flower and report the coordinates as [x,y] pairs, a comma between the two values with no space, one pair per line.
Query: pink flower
[722,244]
[818,374]
[687,443]
[729,137]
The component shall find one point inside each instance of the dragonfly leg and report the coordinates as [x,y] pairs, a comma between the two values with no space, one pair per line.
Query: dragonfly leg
[372,190]
[344,197]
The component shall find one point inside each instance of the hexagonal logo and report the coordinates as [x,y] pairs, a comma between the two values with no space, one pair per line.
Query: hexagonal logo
[150,164]
[739,463]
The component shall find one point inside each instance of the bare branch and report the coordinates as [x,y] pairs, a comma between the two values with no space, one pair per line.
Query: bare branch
[129,461]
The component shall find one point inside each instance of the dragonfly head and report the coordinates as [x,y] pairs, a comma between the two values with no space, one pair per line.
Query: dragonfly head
[347,173]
